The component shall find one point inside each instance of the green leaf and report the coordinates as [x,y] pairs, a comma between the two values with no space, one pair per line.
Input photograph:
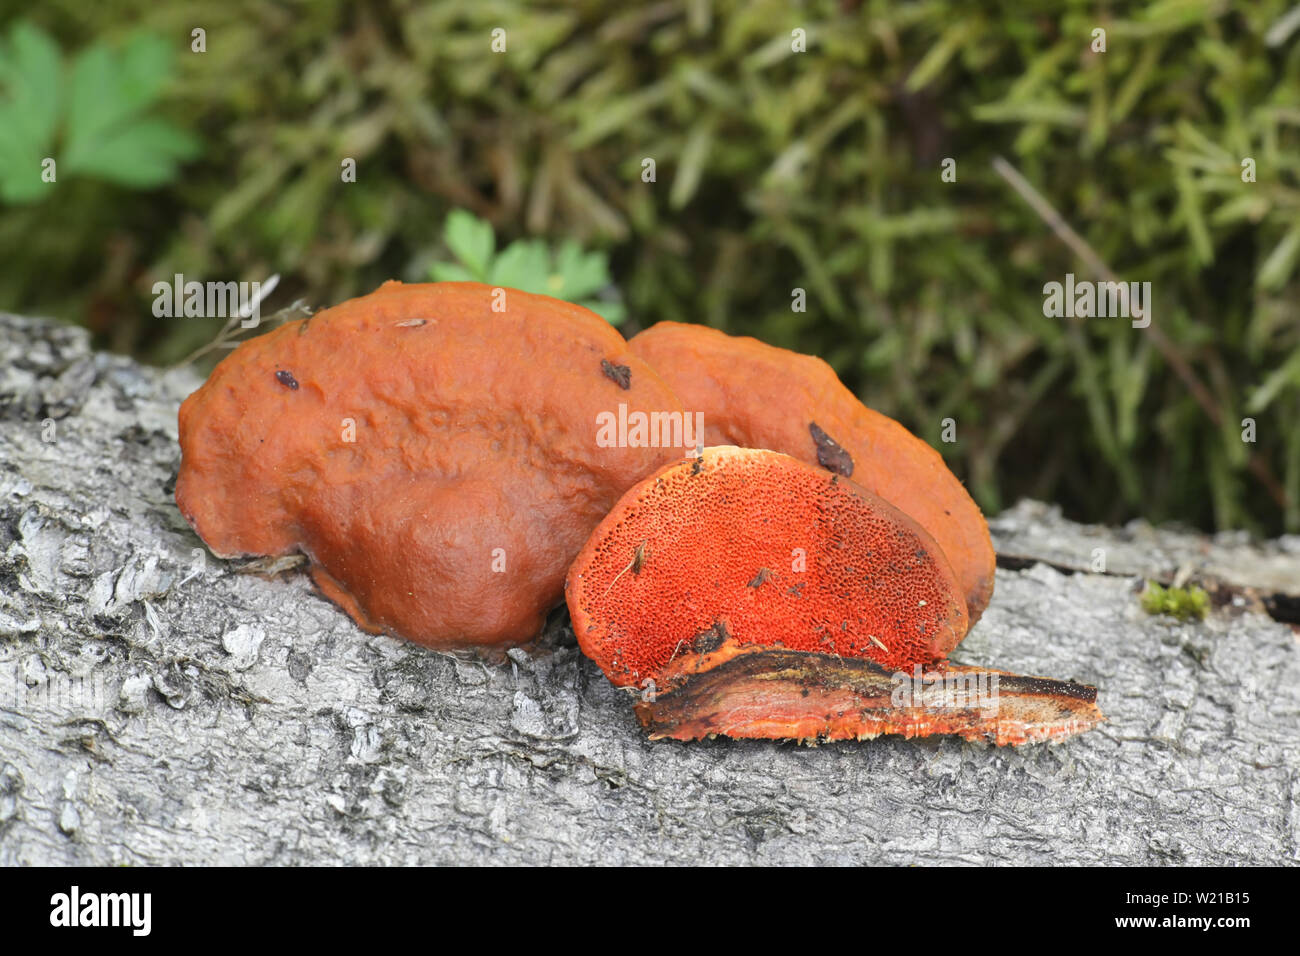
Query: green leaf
[1193,218]
[580,274]
[31,77]
[525,264]
[146,68]
[1288,373]
[450,272]
[1281,261]
[30,93]
[936,59]
[141,154]
[1040,111]
[618,114]
[1251,207]
[470,240]
[611,312]
[107,133]
[690,167]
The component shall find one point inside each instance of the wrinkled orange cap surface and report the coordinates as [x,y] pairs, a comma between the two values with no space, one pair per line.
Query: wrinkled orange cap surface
[761,396]
[437,460]
[759,548]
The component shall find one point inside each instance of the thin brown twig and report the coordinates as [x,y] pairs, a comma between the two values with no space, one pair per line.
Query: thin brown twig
[227,337]
[639,558]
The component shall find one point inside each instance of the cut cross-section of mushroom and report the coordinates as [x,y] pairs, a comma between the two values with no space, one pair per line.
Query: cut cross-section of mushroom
[759,548]
[749,594]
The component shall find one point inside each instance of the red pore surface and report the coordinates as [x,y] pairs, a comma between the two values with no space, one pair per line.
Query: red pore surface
[757,547]
[434,449]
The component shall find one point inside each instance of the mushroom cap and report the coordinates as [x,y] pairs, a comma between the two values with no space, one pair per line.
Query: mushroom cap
[758,548]
[440,462]
[760,396]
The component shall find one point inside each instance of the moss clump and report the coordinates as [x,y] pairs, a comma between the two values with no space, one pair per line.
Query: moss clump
[1183,603]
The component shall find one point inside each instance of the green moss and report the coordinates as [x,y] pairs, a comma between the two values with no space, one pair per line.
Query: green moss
[1183,603]
[775,170]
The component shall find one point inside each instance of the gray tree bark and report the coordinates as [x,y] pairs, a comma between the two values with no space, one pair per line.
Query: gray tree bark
[159,706]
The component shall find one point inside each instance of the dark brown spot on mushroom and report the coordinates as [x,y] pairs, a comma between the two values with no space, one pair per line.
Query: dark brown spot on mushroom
[763,575]
[620,375]
[285,378]
[708,641]
[829,453]
[641,556]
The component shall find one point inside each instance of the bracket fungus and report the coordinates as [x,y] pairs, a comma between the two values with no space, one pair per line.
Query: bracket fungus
[750,594]
[436,459]
[759,396]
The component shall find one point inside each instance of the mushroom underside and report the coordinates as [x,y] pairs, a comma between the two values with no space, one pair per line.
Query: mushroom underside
[680,594]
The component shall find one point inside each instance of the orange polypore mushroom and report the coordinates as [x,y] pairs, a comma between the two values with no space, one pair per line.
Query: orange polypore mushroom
[760,396]
[750,594]
[761,548]
[433,449]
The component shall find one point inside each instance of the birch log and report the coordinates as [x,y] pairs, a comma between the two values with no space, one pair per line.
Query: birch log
[160,706]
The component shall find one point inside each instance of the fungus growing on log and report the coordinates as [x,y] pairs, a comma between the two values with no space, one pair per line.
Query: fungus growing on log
[760,396]
[435,459]
[751,594]
[758,547]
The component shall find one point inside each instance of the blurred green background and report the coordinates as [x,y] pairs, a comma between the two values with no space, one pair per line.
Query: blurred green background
[775,170]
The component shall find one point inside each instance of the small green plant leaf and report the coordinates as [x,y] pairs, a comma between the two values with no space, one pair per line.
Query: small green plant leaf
[525,264]
[470,240]
[1279,265]
[451,272]
[580,274]
[1288,373]
[611,312]
[108,134]
[30,95]
[142,154]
